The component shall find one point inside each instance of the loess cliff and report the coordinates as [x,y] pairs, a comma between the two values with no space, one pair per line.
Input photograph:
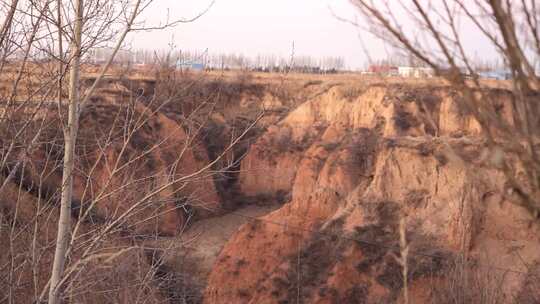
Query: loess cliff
[308,206]
[353,166]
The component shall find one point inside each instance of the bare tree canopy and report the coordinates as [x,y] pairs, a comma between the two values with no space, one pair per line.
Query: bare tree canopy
[437,41]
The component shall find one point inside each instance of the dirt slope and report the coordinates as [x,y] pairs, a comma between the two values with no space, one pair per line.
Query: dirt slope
[355,166]
[345,162]
[127,156]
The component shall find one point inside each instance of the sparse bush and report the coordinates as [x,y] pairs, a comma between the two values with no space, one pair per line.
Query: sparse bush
[530,292]
[404,120]
[351,93]
[312,264]
[465,283]
[310,83]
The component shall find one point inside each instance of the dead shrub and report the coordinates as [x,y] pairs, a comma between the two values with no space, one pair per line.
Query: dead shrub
[311,266]
[351,93]
[404,120]
[466,283]
[530,292]
[310,83]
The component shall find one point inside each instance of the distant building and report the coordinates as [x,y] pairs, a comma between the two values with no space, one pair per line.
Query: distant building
[191,66]
[415,72]
[496,74]
[386,70]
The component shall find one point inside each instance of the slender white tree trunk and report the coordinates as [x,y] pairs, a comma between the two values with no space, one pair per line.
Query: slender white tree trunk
[70,136]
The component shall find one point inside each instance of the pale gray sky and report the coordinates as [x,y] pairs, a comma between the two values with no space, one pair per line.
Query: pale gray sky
[254,27]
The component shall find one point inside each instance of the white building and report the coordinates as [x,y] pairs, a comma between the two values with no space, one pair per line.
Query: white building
[497,74]
[415,72]
[191,66]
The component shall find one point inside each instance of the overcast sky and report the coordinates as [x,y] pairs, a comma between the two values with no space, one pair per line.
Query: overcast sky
[254,27]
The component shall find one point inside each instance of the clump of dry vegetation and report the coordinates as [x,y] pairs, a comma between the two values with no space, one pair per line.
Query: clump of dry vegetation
[310,267]
[463,282]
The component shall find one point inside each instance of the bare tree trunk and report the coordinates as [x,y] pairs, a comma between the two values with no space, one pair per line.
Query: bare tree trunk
[7,23]
[60,51]
[70,136]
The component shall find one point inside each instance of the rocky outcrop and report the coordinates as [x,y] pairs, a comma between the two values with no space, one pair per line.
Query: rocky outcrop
[133,164]
[393,111]
[354,168]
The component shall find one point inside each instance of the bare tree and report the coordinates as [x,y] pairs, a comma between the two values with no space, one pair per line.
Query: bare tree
[512,28]
[34,110]
[70,136]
